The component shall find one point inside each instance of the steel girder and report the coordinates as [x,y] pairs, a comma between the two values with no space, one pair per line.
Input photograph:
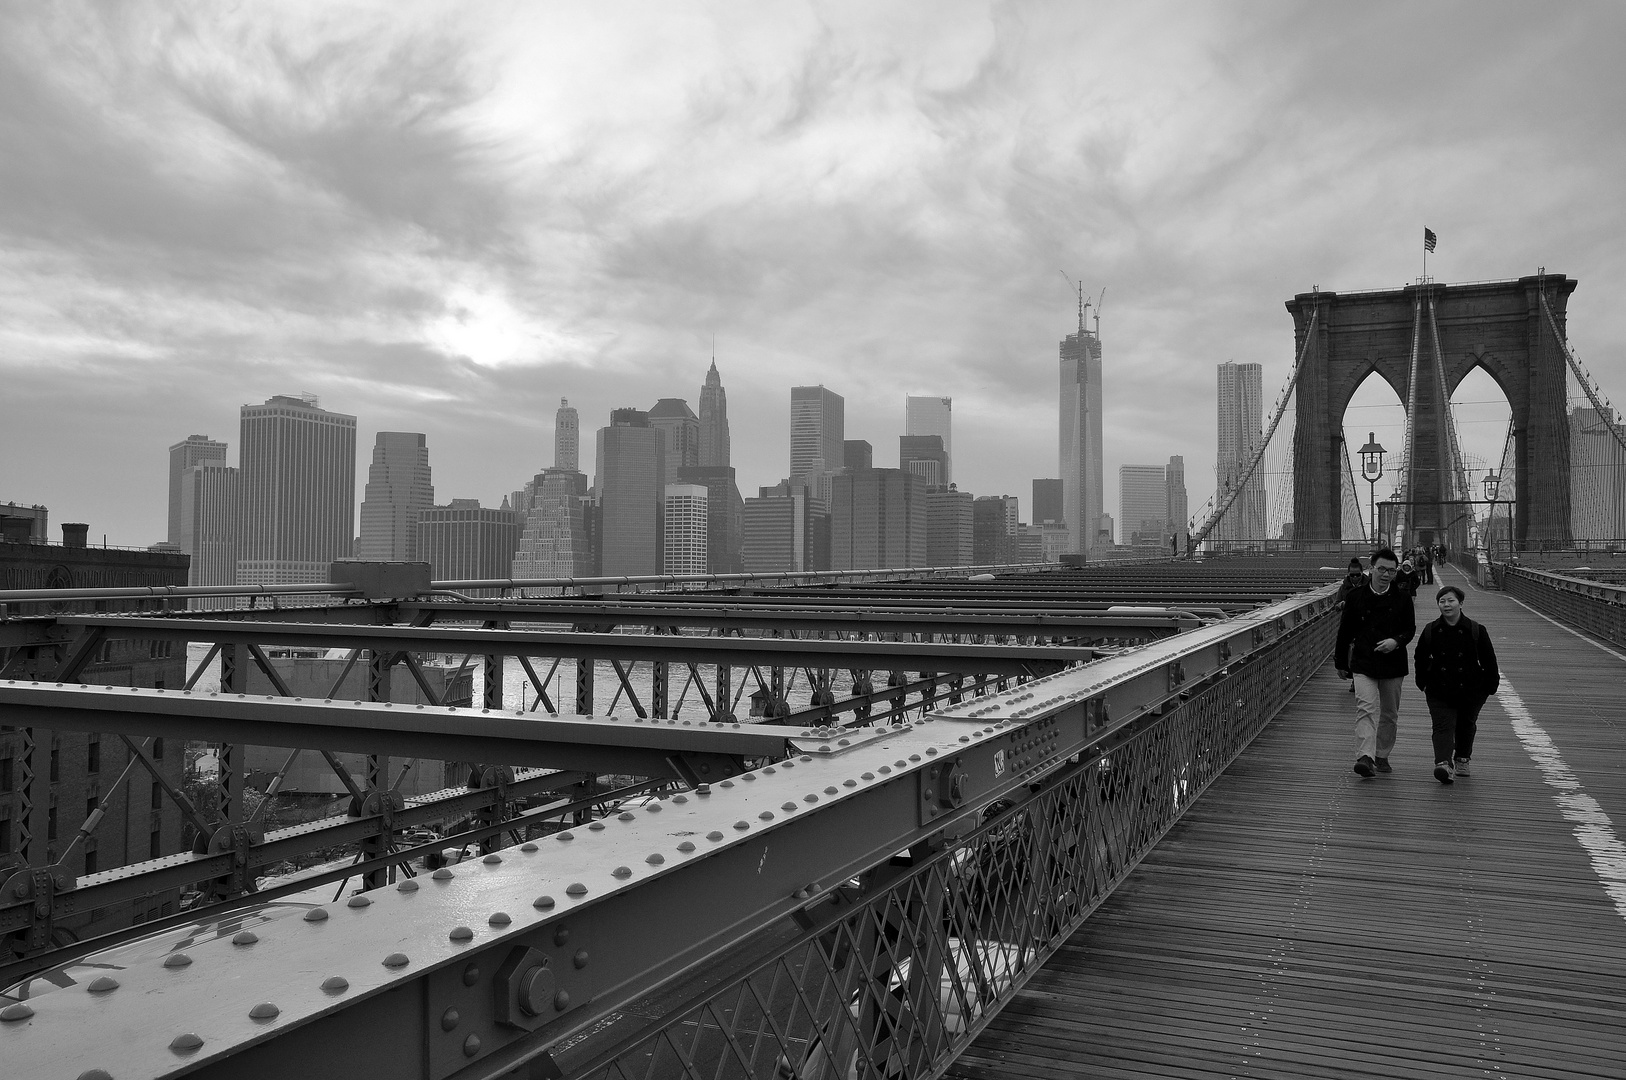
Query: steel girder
[477,976]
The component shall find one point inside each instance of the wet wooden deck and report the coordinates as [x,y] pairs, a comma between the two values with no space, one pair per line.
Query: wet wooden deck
[1302,922]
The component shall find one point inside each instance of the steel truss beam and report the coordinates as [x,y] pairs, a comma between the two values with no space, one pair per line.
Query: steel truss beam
[515,959]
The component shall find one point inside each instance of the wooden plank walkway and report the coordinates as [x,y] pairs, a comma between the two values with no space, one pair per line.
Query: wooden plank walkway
[1302,922]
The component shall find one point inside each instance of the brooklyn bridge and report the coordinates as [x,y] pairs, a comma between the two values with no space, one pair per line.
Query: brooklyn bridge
[1014,821]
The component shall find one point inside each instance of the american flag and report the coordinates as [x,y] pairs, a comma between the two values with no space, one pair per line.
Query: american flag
[1428,239]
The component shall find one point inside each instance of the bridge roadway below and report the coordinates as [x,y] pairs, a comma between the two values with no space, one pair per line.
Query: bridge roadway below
[1300,921]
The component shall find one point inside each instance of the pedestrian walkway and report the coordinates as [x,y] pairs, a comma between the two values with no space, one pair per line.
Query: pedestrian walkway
[1302,922]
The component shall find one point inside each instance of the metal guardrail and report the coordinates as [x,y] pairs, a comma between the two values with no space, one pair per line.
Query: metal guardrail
[1591,606]
[860,909]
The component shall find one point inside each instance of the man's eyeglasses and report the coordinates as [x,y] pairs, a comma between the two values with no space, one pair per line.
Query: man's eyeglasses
[1380,568]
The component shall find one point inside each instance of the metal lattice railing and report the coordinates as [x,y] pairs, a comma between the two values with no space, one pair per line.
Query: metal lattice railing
[898,971]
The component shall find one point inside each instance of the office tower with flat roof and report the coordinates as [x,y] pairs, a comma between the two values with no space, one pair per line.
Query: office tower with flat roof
[1047,502]
[1241,429]
[629,482]
[817,431]
[724,509]
[857,454]
[680,430]
[190,451]
[398,488]
[932,416]
[877,520]
[715,449]
[785,528]
[924,456]
[1178,512]
[1143,504]
[209,515]
[948,527]
[685,529]
[553,539]
[464,541]
[566,437]
[1081,447]
[994,521]
[296,495]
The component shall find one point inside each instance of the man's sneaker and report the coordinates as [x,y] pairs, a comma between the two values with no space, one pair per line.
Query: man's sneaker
[1462,767]
[1442,772]
[1383,765]
[1364,766]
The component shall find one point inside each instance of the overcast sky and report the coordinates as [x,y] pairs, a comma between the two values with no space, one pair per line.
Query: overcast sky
[445,217]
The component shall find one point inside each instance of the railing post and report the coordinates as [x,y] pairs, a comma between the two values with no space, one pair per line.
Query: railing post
[376,789]
[584,686]
[723,702]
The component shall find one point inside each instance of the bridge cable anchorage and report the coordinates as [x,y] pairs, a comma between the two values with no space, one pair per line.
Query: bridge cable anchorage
[1199,535]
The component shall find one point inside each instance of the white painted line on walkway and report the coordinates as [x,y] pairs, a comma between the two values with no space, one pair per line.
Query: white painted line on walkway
[1593,829]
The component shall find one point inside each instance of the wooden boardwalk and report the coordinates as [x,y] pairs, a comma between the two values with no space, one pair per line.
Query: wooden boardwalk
[1302,922]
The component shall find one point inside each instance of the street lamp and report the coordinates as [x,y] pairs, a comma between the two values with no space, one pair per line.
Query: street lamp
[1493,484]
[1372,469]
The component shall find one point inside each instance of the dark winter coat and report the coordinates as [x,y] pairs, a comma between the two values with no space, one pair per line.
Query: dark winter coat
[1456,663]
[1367,619]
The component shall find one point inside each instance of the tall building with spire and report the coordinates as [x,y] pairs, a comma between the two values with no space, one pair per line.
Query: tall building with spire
[1080,430]
[398,489]
[566,438]
[714,442]
[1241,429]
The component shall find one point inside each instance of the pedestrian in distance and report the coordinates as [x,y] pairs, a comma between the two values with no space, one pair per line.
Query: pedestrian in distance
[1457,672]
[1376,626]
[1407,579]
[1354,579]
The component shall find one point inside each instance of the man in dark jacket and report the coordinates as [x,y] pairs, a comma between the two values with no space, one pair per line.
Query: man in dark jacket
[1377,624]
[1456,671]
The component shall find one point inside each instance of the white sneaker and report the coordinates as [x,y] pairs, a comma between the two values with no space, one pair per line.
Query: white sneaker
[1462,767]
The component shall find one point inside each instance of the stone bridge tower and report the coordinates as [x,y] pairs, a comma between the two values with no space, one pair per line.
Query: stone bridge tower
[1496,325]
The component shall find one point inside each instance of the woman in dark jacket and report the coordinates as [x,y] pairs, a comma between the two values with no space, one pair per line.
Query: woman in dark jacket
[1456,671]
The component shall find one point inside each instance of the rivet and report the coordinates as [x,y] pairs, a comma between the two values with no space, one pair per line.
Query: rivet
[912,757]
[580,959]
[655,859]
[442,874]
[316,914]
[527,848]
[625,815]
[359,901]
[395,960]
[597,826]
[246,937]
[653,808]
[770,770]
[680,798]
[830,791]
[686,846]
[407,885]
[449,1019]
[867,776]
[461,933]
[561,1000]
[18,1011]
[471,974]
[177,960]
[714,835]
[492,860]
[748,776]
[185,1043]
[788,806]
[742,824]
[804,758]
[105,984]
[933,749]
[542,903]
[767,815]
[622,872]
[471,1046]
[95,1074]
[849,783]
[843,742]
[728,783]
[566,836]
[886,769]
[576,888]
[499,918]
[963,738]
[825,747]
[264,1011]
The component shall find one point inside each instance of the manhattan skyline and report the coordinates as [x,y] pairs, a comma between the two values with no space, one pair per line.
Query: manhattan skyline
[444,221]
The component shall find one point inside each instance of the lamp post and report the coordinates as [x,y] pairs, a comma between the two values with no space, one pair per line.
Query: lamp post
[1493,484]
[1372,469]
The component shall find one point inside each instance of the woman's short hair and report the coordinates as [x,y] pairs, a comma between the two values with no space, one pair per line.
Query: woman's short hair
[1453,590]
